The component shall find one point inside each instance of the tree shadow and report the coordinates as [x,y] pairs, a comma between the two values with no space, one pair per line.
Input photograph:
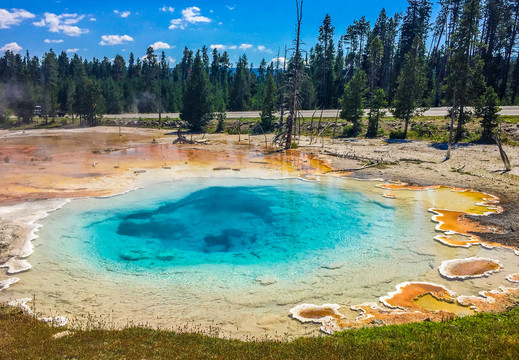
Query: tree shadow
[445,146]
[397,141]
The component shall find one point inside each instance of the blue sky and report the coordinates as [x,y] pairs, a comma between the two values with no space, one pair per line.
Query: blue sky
[107,28]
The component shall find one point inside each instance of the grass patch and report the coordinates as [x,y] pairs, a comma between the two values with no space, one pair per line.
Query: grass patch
[484,336]
[511,119]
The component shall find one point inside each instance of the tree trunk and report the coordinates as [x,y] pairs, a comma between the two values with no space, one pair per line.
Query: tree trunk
[508,53]
[335,126]
[459,129]
[293,109]
[508,166]
[451,129]
[406,126]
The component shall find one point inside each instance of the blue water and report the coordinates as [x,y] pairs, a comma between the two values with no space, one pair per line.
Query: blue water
[231,222]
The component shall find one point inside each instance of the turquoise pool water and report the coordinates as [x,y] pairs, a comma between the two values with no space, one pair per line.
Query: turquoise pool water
[230,222]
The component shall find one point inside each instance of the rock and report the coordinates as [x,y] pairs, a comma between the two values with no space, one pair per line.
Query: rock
[378,322]
[61,334]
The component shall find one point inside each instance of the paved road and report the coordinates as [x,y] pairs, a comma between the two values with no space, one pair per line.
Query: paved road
[439,111]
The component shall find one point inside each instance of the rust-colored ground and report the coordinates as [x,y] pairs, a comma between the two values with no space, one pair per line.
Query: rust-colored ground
[99,162]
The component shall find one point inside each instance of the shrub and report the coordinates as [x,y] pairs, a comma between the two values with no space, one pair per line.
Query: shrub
[396,134]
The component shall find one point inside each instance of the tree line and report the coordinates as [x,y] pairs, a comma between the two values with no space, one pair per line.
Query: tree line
[466,57]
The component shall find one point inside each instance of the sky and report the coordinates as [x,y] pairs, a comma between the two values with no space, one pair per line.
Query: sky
[107,28]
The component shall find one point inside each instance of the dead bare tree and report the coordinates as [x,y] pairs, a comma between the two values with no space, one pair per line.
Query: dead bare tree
[312,121]
[282,88]
[295,80]
[335,125]
[504,157]
[451,128]
[181,139]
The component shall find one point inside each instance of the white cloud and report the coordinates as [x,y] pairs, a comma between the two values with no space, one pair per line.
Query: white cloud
[167,9]
[62,23]
[93,19]
[114,39]
[225,47]
[72,50]
[263,48]
[49,41]
[281,60]
[245,46]
[161,45]
[171,60]
[12,47]
[123,14]
[176,23]
[13,17]
[230,7]
[190,15]
[218,46]
[220,23]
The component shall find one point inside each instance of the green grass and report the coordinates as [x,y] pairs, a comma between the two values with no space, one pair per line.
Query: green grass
[485,336]
[511,119]
[39,123]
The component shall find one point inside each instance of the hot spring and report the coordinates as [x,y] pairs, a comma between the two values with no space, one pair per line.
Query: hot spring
[237,254]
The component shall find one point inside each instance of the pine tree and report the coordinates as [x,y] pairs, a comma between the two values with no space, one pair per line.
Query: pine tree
[268,107]
[118,68]
[461,65]
[262,71]
[378,102]
[49,101]
[411,85]
[326,59]
[88,101]
[487,108]
[353,102]
[240,91]
[374,62]
[197,107]
[339,75]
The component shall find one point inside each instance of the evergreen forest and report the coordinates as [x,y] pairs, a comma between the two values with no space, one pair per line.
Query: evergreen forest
[464,58]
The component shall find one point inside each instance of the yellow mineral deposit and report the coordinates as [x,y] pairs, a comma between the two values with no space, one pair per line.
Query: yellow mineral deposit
[405,186]
[406,294]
